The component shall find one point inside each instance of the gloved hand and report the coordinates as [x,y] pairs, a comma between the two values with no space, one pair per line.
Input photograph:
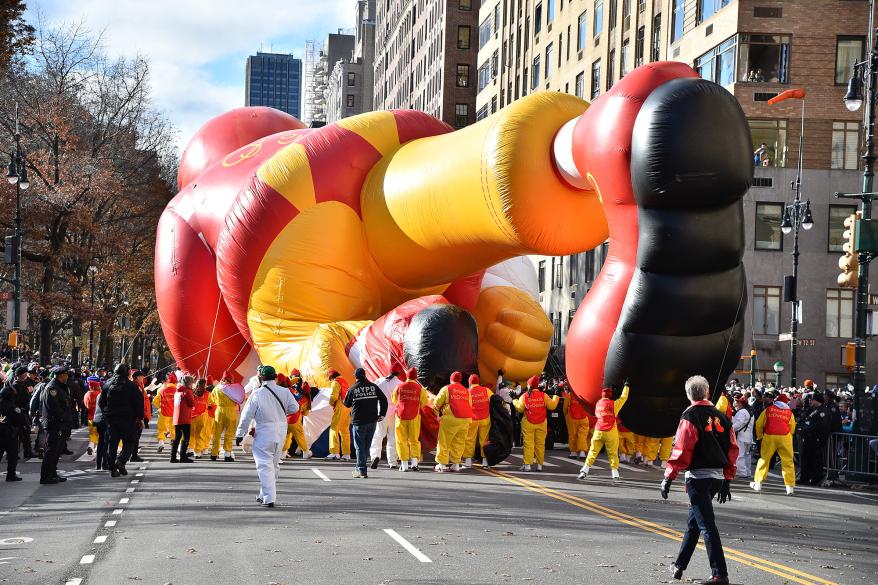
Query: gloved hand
[665,487]
[725,492]
[238,440]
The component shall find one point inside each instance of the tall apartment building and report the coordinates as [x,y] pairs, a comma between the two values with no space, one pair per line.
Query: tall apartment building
[336,47]
[349,90]
[425,55]
[755,49]
[274,80]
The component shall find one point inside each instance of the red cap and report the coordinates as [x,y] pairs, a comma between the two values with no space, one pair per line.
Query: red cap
[333,374]
[456,377]
[473,379]
[94,384]
[306,387]
[606,393]
[412,374]
[296,373]
[783,398]
[172,378]
[533,382]
[282,380]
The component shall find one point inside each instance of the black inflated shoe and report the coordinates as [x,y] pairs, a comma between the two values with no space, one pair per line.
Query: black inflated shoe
[14,478]
[229,459]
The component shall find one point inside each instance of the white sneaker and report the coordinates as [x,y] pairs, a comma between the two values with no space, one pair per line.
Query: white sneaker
[281,462]
[440,468]
[468,463]
[485,462]
[455,467]
[413,465]
[404,466]
[572,455]
[539,467]
[664,464]
[525,467]
[160,447]
[307,454]
[582,454]
[756,486]
[790,490]
[345,457]
[614,473]
[583,473]
[649,464]
[332,457]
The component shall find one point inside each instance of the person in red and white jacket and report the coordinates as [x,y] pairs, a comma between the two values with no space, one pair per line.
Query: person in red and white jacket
[705,449]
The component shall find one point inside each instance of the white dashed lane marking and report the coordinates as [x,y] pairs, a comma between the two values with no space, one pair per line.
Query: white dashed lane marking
[320,474]
[74,581]
[109,523]
[117,511]
[100,539]
[129,490]
[124,500]
[87,560]
[407,545]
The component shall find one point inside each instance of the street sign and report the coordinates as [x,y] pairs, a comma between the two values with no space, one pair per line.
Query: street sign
[785,337]
[22,315]
[867,236]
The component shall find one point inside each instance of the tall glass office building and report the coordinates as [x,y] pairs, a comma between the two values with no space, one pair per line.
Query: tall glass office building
[274,80]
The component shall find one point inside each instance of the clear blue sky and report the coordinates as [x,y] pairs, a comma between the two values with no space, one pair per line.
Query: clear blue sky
[198,48]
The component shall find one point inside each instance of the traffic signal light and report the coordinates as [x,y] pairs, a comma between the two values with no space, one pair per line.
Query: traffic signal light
[849,263]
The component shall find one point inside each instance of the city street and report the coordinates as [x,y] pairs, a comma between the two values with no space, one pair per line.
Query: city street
[199,524]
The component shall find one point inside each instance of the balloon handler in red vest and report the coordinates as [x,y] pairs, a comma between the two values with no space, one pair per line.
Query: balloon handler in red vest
[534,404]
[480,427]
[454,406]
[775,426]
[606,436]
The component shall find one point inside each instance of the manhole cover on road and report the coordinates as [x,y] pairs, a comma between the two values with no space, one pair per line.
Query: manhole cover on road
[16,540]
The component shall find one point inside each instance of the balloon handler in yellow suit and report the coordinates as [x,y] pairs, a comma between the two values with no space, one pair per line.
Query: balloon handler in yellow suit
[775,426]
[226,419]
[606,435]
[454,407]
[340,426]
[409,397]
[534,404]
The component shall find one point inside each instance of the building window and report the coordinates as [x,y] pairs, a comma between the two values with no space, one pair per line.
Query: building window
[707,8]
[484,75]
[837,381]
[768,234]
[352,79]
[350,100]
[580,85]
[598,17]
[541,275]
[549,50]
[589,267]
[486,29]
[482,113]
[626,14]
[550,10]
[611,66]
[461,115]
[845,145]
[494,104]
[677,9]
[573,269]
[764,58]
[613,5]
[535,72]
[570,316]
[462,75]
[623,59]
[848,50]
[538,18]
[558,280]
[596,79]
[837,215]
[769,142]
[465,4]
[495,64]
[718,64]
[839,312]
[556,326]
[639,40]
[766,310]
[582,31]
[655,51]
[463,33]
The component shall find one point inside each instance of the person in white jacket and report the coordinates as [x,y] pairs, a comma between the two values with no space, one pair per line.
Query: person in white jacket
[268,406]
[387,385]
[742,424]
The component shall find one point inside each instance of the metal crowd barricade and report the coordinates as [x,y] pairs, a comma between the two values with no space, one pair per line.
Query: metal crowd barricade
[852,458]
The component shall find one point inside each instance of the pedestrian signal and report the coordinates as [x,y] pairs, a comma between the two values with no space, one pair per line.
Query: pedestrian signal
[849,263]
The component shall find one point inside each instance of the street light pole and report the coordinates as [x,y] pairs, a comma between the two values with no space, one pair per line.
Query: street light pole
[91,327]
[17,175]
[853,99]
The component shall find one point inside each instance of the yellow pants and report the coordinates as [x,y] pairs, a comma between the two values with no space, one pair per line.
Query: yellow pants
[626,442]
[568,422]
[660,448]
[783,446]
[340,431]
[165,428]
[608,440]
[640,444]
[92,433]
[534,439]
[196,442]
[408,441]
[225,422]
[207,432]
[296,432]
[578,439]
[452,439]
[477,429]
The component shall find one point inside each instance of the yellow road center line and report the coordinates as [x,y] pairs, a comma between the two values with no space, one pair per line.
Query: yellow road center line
[780,570]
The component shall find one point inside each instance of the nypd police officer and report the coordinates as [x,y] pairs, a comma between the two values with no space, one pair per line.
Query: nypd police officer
[56,418]
[123,413]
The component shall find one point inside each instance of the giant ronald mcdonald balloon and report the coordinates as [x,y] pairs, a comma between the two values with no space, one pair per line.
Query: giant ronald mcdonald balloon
[387,239]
